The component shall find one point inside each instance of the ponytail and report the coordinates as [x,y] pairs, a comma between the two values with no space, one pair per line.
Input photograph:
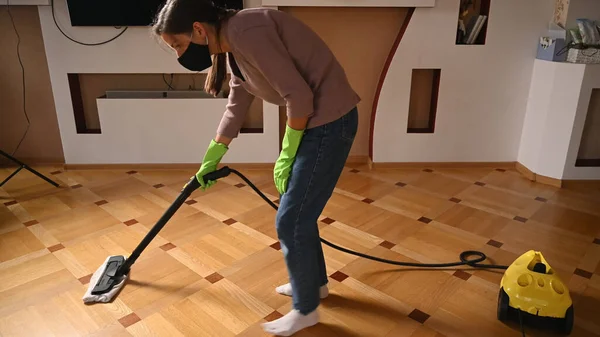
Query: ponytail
[216,76]
[177,16]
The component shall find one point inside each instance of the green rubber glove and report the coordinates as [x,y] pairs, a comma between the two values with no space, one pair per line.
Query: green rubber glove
[283,165]
[212,158]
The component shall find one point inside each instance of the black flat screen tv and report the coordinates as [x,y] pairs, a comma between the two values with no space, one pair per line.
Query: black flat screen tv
[123,13]
[119,13]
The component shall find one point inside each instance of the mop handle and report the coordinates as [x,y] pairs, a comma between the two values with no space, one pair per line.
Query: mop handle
[187,190]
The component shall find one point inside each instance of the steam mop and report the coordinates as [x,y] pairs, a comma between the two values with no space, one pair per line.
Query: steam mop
[111,276]
[529,285]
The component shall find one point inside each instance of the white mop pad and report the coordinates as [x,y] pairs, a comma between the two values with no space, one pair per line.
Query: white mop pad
[106,297]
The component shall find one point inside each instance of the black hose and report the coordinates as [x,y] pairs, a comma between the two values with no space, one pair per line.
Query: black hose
[464,261]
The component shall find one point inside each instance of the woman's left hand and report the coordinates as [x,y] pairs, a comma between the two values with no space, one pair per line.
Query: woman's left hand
[283,165]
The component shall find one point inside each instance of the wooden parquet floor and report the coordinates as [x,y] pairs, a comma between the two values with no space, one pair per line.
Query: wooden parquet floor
[213,269]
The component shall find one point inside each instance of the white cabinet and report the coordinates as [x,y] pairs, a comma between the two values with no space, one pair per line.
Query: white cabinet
[169,131]
[558,104]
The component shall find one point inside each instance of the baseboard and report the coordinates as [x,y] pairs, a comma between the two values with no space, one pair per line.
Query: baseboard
[527,173]
[33,162]
[357,160]
[130,166]
[185,166]
[166,166]
[392,165]
[522,169]
[549,181]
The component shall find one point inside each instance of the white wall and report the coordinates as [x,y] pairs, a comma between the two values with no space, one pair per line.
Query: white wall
[558,106]
[483,88]
[136,51]
[171,131]
[582,9]
[547,131]
[534,125]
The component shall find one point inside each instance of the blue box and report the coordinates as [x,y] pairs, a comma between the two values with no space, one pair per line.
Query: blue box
[549,47]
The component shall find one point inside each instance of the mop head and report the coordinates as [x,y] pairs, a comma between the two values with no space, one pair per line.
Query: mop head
[104,284]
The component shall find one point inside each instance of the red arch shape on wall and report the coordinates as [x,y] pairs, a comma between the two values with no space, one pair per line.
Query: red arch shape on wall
[384,73]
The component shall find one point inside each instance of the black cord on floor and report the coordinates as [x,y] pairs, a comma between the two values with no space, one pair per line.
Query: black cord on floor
[464,256]
[79,42]
[12,20]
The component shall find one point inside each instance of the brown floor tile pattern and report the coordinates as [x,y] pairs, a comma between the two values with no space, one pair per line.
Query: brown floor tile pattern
[419,316]
[31,223]
[213,268]
[273,316]
[56,248]
[130,222]
[213,278]
[85,279]
[462,274]
[387,244]
[129,320]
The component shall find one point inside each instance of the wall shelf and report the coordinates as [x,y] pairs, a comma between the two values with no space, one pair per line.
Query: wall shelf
[473,18]
[422,110]
[173,131]
[561,104]
[26,2]
[589,147]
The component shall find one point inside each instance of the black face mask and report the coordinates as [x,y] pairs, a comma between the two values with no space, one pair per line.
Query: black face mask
[196,57]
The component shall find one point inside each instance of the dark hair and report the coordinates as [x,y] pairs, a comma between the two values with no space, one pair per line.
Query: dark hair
[178,17]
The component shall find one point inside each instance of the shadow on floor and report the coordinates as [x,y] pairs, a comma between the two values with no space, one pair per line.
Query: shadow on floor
[329,330]
[361,307]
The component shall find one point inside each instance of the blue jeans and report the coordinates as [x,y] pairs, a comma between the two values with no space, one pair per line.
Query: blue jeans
[318,165]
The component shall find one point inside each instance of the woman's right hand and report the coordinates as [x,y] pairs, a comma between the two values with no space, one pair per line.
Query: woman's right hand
[212,158]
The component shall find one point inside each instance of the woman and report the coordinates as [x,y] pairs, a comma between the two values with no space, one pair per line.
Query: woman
[277,58]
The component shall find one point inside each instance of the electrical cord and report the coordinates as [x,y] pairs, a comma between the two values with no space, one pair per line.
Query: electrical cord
[12,20]
[79,42]
[464,256]
[169,84]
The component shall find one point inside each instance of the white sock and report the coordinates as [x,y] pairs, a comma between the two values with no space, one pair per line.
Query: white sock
[286,290]
[291,323]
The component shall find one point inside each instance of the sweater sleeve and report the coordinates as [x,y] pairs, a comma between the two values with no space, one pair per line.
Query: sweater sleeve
[263,48]
[237,107]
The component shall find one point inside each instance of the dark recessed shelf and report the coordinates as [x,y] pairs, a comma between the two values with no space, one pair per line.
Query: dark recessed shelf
[425,85]
[86,88]
[474,15]
[589,147]
[587,162]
